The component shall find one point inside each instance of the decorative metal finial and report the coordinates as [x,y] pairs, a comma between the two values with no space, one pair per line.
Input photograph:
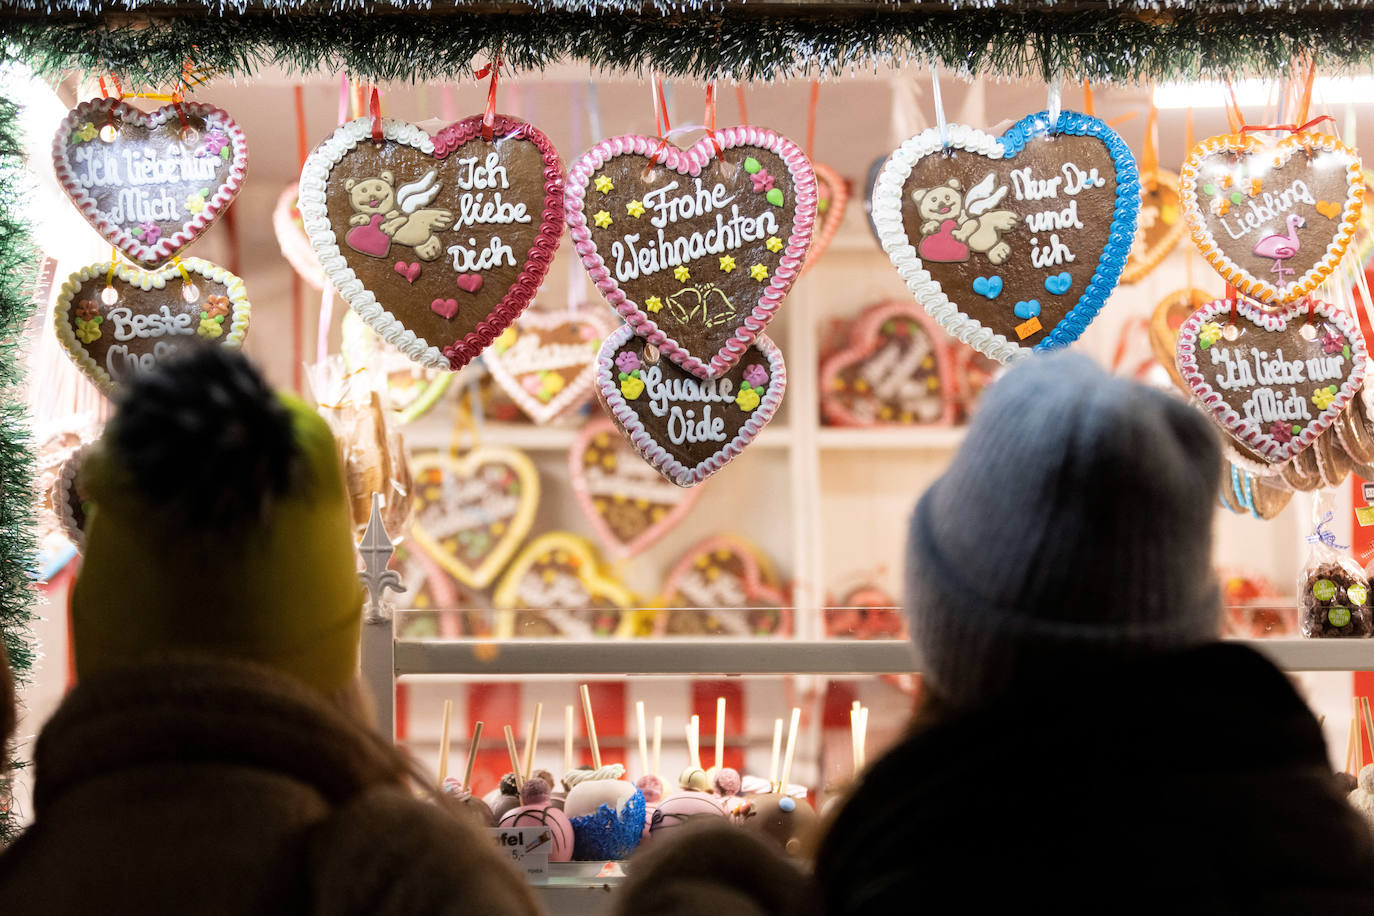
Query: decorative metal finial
[376,548]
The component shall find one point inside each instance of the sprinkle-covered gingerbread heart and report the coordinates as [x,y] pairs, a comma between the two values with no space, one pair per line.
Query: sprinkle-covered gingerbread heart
[1011,243]
[1159,226]
[722,586]
[1273,220]
[151,183]
[895,371]
[438,242]
[1273,380]
[556,587]
[694,248]
[115,323]
[629,505]
[472,513]
[685,427]
[546,361]
[832,196]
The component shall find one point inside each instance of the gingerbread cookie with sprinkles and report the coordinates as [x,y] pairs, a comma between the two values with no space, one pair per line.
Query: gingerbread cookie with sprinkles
[694,248]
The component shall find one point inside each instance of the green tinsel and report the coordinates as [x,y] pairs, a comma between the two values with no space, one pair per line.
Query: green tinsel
[16,460]
[146,43]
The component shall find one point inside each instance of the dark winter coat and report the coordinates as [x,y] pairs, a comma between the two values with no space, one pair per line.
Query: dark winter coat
[1192,782]
[223,788]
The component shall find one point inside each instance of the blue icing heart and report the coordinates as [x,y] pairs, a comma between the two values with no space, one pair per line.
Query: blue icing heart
[988,286]
[1026,310]
[1059,283]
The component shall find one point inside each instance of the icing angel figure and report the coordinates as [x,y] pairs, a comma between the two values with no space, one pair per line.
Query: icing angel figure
[953,225]
[383,215]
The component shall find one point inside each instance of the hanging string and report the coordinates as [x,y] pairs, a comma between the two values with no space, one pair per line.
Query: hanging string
[939,104]
[118,90]
[1088,100]
[1234,118]
[661,123]
[1055,102]
[1149,153]
[375,109]
[297,284]
[181,269]
[811,118]
[1305,101]
[1291,128]
[594,112]
[358,96]
[493,70]
[343,98]
[739,103]
[710,116]
[109,275]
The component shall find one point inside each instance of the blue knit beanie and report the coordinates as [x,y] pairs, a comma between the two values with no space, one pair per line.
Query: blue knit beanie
[1075,522]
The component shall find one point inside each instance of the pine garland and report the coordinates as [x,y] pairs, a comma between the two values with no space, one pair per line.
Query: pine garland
[16,459]
[147,43]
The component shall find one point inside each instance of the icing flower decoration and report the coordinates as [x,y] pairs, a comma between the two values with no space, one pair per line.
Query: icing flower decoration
[88,331]
[653,304]
[1333,342]
[756,375]
[763,182]
[213,142]
[747,399]
[195,201]
[631,386]
[1209,334]
[627,361]
[151,232]
[1323,397]
[86,309]
[1280,432]
[210,328]
[85,133]
[215,306]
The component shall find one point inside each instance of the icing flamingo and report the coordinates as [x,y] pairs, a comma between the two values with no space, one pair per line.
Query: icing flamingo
[1281,247]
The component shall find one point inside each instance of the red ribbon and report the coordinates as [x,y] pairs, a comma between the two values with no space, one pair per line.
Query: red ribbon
[1291,128]
[493,70]
[660,117]
[375,107]
[710,117]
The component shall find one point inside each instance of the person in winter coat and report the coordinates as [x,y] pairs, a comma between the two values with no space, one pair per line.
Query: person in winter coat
[213,758]
[1085,742]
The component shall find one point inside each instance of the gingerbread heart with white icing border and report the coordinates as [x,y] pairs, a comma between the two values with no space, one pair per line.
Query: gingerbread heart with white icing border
[685,427]
[832,196]
[722,586]
[438,242]
[546,361]
[1269,386]
[1286,211]
[69,499]
[1011,243]
[159,181]
[556,587]
[694,248]
[472,513]
[629,505]
[153,314]
[895,372]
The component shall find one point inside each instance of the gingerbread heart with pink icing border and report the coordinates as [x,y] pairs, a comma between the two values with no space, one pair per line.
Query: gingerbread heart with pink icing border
[150,183]
[695,248]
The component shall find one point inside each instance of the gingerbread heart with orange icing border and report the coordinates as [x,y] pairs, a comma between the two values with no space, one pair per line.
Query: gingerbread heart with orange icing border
[1159,226]
[832,197]
[1273,220]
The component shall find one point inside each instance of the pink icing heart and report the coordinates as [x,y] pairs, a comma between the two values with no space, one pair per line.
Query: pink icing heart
[469,283]
[445,308]
[410,271]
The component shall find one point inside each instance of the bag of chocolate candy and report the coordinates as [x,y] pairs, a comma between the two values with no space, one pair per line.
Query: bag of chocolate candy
[1333,590]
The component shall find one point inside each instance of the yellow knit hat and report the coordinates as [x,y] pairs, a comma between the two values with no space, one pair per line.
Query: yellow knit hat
[273,582]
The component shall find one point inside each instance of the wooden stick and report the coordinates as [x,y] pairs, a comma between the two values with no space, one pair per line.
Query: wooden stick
[854,739]
[567,739]
[591,726]
[694,741]
[863,736]
[532,741]
[720,732]
[1359,738]
[777,752]
[1350,744]
[472,755]
[658,742]
[791,748]
[443,742]
[514,758]
[1368,723]
[643,738]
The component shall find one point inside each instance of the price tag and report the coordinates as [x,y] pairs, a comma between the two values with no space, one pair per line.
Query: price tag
[528,848]
[1368,490]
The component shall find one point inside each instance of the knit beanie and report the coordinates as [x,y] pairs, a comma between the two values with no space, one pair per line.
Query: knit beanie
[1074,524]
[219,525]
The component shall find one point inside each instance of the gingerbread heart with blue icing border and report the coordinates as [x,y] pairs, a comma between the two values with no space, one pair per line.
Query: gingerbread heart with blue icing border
[1011,243]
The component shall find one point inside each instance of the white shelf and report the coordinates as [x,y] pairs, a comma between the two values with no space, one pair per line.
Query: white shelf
[916,438]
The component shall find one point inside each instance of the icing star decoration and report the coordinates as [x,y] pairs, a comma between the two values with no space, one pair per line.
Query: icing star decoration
[603,184]
[653,303]
[635,208]
[727,263]
[681,273]
[602,219]
[758,272]
[774,244]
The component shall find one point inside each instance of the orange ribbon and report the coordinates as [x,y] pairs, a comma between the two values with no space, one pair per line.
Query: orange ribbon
[743,109]
[710,116]
[660,117]
[811,117]
[1291,128]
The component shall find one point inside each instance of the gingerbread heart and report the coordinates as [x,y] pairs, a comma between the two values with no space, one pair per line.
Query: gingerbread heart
[1273,380]
[685,427]
[481,219]
[411,389]
[152,183]
[895,372]
[629,505]
[1159,226]
[1273,220]
[472,513]
[832,196]
[116,323]
[69,500]
[556,587]
[546,361]
[1011,243]
[1165,321]
[289,229]
[694,248]
[722,586]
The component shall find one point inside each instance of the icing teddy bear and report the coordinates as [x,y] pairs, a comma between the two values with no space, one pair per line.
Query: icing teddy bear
[953,224]
[384,215]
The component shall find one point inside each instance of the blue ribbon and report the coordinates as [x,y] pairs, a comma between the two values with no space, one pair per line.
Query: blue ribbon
[1324,536]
